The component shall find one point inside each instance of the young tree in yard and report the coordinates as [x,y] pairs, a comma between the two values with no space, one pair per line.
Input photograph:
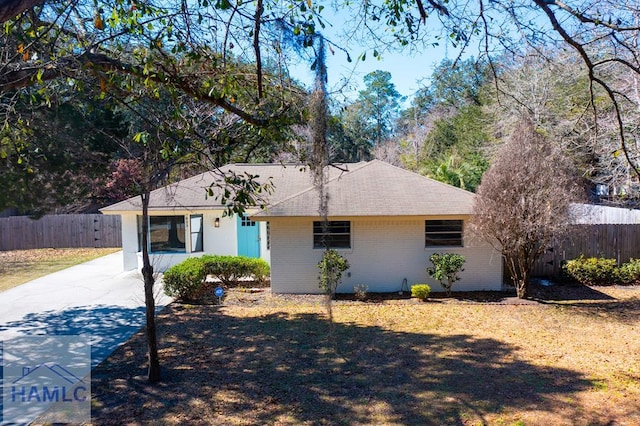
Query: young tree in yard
[446,267]
[523,199]
[154,58]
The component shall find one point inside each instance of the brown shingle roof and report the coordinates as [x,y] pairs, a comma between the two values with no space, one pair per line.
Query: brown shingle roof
[377,188]
[374,188]
[191,193]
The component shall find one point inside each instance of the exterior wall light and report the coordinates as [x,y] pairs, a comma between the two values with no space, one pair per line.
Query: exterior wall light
[216,222]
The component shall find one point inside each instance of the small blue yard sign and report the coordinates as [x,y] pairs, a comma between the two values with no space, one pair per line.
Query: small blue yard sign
[219,291]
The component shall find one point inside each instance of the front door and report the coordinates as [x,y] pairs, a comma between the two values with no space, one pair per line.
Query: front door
[248,237]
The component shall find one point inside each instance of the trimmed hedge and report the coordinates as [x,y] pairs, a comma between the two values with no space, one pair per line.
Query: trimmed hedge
[601,271]
[229,269]
[187,280]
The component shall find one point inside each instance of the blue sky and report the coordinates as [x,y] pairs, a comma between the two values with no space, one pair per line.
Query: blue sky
[407,68]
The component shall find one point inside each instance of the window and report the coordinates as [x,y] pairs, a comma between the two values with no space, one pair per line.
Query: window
[196,232]
[167,234]
[443,233]
[247,222]
[139,223]
[337,235]
[268,236]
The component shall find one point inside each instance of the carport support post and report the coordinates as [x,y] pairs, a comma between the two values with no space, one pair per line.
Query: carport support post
[150,305]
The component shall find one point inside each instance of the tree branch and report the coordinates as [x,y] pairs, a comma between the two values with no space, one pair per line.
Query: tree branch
[592,77]
[9,9]
[71,65]
[587,19]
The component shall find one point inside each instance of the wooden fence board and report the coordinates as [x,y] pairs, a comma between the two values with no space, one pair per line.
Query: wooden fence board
[616,241]
[60,231]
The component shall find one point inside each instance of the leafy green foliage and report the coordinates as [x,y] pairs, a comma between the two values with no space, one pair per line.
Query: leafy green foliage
[445,131]
[458,85]
[465,173]
[602,271]
[229,269]
[379,103]
[420,291]
[630,272]
[331,268]
[349,136]
[446,267]
[186,280]
[52,155]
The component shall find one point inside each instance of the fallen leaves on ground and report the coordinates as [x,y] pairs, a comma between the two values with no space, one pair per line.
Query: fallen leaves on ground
[270,359]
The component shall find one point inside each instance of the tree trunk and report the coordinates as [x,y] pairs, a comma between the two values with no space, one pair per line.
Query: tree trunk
[522,283]
[153,374]
[522,289]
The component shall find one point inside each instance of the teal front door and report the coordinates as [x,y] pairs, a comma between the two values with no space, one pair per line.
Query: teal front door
[248,237]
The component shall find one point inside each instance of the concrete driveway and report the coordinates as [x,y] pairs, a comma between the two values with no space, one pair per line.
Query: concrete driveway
[94,299]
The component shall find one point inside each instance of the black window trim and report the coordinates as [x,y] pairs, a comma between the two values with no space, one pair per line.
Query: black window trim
[182,248]
[451,233]
[336,240]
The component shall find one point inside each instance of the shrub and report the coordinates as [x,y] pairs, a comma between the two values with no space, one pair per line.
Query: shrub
[421,291]
[629,273]
[331,268]
[260,270]
[185,280]
[593,270]
[445,268]
[229,269]
[360,291]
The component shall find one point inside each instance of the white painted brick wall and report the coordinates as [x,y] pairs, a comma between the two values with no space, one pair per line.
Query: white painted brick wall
[383,252]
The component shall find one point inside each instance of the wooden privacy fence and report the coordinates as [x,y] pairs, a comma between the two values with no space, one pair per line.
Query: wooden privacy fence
[60,231]
[613,241]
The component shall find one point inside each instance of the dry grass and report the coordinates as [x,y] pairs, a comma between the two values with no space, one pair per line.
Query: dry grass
[571,358]
[20,266]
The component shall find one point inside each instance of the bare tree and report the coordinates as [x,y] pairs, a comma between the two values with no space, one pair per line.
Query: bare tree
[553,88]
[522,203]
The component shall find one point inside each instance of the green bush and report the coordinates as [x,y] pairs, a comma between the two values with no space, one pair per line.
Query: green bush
[229,269]
[593,270]
[260,270]
[446,267]
[185,280]
[331,268]
[421,291]
[629,273]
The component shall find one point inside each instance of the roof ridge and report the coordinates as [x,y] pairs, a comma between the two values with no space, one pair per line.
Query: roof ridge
[266,164]
[423,176]
[359,165]
[312,187]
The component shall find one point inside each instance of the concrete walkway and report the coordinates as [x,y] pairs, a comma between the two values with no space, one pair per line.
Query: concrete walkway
[94,299]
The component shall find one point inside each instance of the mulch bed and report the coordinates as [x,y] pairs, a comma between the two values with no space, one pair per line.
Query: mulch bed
[540,293]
